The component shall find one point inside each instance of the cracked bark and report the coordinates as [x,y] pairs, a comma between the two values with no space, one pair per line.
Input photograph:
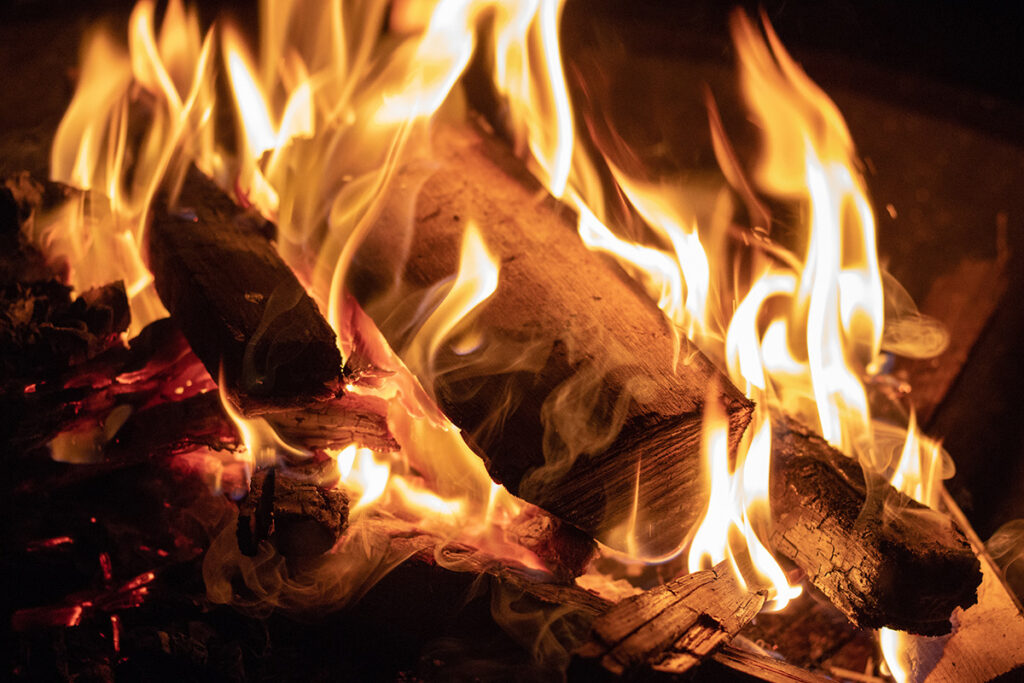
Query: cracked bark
[883,560]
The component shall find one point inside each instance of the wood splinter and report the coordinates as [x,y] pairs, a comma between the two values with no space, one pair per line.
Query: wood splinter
[675,625]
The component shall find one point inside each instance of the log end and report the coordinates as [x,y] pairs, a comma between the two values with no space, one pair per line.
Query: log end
[298,517]
[884,561]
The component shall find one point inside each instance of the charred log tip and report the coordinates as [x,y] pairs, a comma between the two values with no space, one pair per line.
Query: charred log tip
[298,517]
[899,565]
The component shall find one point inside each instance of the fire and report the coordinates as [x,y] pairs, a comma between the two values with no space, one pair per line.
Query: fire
[475,282]
[325,112]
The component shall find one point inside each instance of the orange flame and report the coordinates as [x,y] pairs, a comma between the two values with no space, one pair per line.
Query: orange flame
[326,112]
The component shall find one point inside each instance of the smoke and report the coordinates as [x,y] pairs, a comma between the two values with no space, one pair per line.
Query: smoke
[257,585]
[1006,546]
[907,332]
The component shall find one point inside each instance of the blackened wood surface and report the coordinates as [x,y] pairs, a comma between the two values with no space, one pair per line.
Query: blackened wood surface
[883,560]
[591,325]
[298,516]
[237,302]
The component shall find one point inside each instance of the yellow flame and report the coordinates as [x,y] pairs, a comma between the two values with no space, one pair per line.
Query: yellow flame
[837,306]
[893,646]
[264,447]
[475,281]
[709,545]
[919,472]
[737,503]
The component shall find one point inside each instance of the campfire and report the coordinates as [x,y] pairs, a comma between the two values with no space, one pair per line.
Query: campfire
[383,289]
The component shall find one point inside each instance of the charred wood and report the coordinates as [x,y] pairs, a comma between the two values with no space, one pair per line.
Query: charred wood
[674,626]
[44,329]
[595,343]
[240,306]
[563,548]
[299,517]
[883,559]
[336,423]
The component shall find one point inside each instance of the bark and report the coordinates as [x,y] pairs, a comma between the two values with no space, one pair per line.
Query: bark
[674,625]
[883,560]
[239,305]
[576,392]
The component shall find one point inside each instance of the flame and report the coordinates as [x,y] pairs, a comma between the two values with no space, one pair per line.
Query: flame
[328,107]
[475,281]
[919,472]
[263,446]
[893,645]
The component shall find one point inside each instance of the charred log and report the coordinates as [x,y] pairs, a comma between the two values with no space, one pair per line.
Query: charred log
[44,329]
[675,625]
[597,347]
[240,306]
[884,559]
[336,423]
[297,516]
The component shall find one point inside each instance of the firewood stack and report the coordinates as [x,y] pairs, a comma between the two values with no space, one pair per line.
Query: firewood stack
[902,569]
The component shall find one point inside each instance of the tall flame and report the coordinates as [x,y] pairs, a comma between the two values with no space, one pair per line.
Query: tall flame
[331,103]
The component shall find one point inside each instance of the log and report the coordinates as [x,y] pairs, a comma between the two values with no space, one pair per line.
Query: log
[299,517]
[884,561]
[336,423]
[594,344]
[237,302]
[672,627]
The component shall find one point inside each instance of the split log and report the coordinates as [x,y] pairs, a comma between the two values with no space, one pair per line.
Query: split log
[297,516]
[336,423]
[239,305]
[692,615]
[200,421]
[883,560]
[597,347]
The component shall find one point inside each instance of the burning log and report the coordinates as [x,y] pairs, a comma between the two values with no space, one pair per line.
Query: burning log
[336,423]
[607,357]
[883,559]
[299,517]
[692,614]
[240,307]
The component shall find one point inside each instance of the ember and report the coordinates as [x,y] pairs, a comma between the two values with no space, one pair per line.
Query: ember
[392,302]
